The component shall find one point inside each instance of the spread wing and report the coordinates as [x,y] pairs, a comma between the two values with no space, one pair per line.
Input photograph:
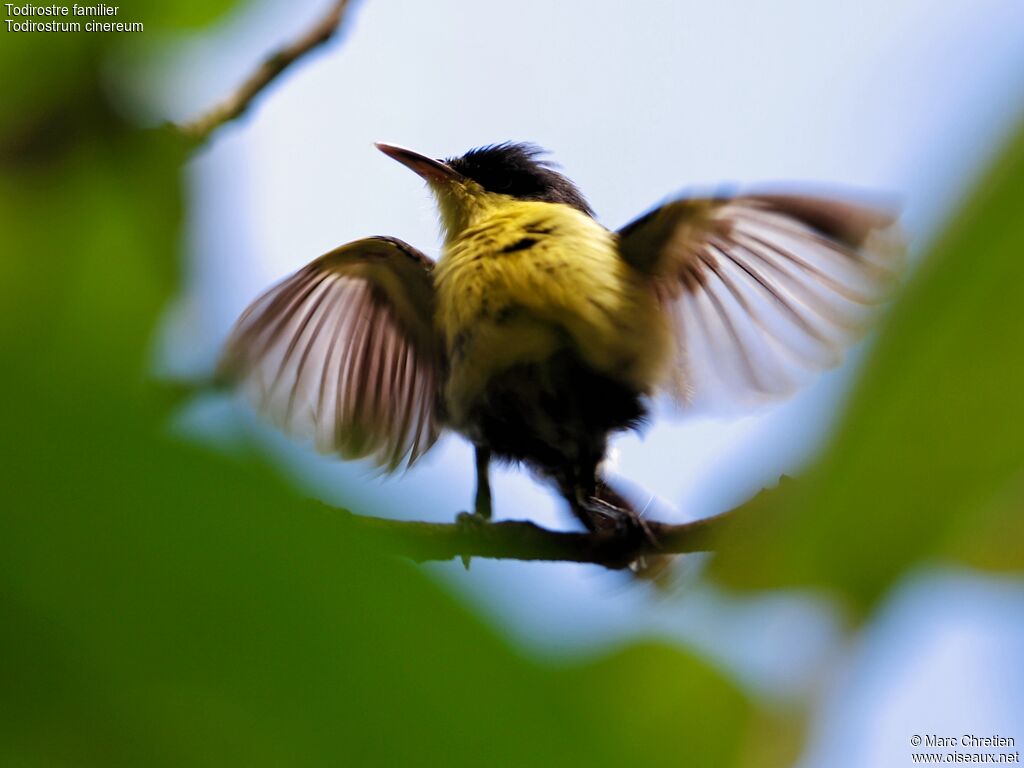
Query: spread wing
[762,290]
[344,351]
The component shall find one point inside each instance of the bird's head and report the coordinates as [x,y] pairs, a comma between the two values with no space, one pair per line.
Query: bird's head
[487,177]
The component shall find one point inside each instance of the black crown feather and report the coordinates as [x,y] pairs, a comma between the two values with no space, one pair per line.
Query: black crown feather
[516,169]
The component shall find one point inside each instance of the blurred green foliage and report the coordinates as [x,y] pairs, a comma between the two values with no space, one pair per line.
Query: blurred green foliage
[165,605]
[928,463]
[47,72]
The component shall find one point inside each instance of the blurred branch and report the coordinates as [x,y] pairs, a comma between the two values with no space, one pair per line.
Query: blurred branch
[523,540]
[237,102]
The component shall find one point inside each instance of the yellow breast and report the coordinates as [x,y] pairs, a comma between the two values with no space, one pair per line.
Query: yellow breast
[533,278]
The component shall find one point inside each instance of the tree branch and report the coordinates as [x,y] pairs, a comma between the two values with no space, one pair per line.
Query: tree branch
[523,540]
[239,100]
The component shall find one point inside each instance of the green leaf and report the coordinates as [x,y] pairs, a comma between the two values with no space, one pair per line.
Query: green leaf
[51,73]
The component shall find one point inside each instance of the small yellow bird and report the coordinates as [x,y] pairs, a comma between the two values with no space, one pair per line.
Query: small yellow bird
[539,332]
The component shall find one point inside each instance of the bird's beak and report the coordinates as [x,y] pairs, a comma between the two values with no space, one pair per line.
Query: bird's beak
[427,167]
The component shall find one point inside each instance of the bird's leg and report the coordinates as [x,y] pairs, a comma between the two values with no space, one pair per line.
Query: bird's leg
[482,503]
[579,494]
[584,512]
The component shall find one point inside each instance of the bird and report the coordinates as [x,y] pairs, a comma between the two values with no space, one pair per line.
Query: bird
[539,333]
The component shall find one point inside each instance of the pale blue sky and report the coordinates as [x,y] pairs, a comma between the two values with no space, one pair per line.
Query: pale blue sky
[909,98]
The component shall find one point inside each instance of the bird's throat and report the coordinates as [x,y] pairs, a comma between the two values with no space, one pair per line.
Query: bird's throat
[462,205]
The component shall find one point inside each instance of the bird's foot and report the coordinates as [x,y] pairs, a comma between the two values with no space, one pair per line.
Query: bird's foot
[625,521]
[474,519]
[470,521]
